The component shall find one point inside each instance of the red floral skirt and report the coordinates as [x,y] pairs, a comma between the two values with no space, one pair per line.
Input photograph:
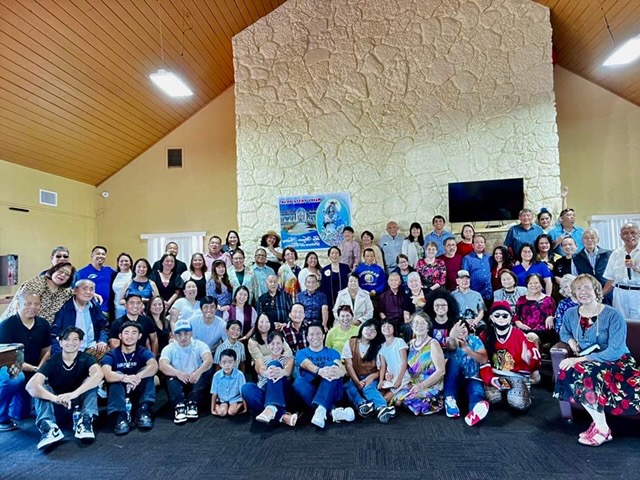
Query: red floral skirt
[610,387]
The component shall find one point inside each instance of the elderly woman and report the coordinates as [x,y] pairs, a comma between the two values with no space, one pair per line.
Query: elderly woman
[603,377]
[567,302]
[412,246]
[270,241]
[535,313]
[53,288]
[416,299]
[360,358]
[510,291]
[423,394]
[431,269]
[355,297]
[268,396]
[528,265]
[288,273]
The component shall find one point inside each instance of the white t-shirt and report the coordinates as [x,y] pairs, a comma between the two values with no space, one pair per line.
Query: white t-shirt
[185,308]
[391,354]
[347,353]
[185,359]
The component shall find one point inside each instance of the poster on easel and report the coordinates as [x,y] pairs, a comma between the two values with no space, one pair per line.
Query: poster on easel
[314,222]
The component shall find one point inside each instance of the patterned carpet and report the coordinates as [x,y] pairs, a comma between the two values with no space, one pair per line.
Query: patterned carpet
[535,445]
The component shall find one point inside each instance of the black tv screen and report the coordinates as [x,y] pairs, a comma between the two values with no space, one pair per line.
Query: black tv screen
[486,201]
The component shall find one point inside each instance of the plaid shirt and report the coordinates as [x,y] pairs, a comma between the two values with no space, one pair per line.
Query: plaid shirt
[297,339]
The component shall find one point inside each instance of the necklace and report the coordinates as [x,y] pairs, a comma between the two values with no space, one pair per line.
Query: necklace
[418,346]
[70,367]
[128,362]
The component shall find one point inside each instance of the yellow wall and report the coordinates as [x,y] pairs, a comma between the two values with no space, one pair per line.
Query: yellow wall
[146,197]
[32,235]
[599,147]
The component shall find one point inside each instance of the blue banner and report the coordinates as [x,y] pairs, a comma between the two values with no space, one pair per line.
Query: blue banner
[314,222]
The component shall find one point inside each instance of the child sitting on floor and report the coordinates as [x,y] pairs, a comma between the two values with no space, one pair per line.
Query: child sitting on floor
[226,387]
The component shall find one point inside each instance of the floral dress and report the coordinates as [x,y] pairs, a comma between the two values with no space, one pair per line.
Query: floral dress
[420,368]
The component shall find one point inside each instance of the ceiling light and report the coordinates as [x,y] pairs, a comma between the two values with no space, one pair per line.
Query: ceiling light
[627,53]
[170,83]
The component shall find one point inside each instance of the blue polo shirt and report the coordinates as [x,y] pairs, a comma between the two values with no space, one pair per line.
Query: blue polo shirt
[102,279]
[558,231]
[438,240]
[228,387]
[313,304]
[518,235]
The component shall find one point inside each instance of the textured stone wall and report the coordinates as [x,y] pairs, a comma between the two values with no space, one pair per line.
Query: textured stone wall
[390,100]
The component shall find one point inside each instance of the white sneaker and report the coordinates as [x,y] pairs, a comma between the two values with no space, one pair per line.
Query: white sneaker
[50,435]
[319,417]
[343,415]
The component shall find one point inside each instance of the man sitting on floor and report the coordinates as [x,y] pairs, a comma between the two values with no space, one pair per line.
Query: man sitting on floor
[129,370]
[185,361]
[72,378]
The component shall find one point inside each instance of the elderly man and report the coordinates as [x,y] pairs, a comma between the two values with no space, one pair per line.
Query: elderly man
[275,304]
[438,235]
[470,302]
[171,249]
[261,271]
[80,311]
[215,253]
[525,232]
[100,275]
[592,259]
[295,331]
[391,246]
[623,273]
[58,255]
[566,228]
[27,328]
[315,302]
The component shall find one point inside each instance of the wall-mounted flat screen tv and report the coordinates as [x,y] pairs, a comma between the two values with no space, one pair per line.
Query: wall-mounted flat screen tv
[486,201]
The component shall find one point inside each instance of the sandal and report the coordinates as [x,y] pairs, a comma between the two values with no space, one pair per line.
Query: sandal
[587,433]
[266,416]
[289,419]
[596,438]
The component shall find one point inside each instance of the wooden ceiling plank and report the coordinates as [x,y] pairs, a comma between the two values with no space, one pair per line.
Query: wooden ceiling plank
[216,36]
[28,48]
[240,11]
[29,162]
[217,17]
[571,14]
[99,117]
[251,9]
[99,63]
[228,14]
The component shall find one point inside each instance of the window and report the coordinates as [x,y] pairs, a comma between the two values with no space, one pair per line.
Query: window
[188,244]
[608,226]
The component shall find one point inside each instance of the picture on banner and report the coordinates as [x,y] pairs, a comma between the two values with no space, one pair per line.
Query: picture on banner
[311,222]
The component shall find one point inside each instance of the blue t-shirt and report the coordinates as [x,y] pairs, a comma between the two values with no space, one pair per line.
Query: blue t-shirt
[102,279]
[228,387]
[127,364]
[469,367]
[326,357]
[522,274]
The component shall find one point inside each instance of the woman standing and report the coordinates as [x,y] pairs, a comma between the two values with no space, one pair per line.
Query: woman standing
[528,266]
[544,255]
[231,242]
[423,394]
[607,380]
[242,311]
[545,220]
[431,269]
[270,241]
[335,277]
[412,246]
[240,274]
[198,274]
[288,273]
[350,249]
[564,265]
[311,267]
[465,246]
[120,279]
[167,280]
[500,260]
[367,242]
[140,283]
[219,286]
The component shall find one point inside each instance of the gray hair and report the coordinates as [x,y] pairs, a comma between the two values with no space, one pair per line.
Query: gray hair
[25,293]
[83,282]
[592,231]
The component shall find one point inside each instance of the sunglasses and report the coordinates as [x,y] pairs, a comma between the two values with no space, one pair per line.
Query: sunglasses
[501,315]
[61,255]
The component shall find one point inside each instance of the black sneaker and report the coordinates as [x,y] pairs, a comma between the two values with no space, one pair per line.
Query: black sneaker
[122,424]
[180,414]
[50,434]
[143,418]
[8,426]
[385,414]
[365,409]
[84,430]
[192,411]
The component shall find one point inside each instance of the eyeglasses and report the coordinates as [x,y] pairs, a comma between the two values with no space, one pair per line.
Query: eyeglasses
[440,305]
[61,255]
[64,273]
[260,255]
[500,315]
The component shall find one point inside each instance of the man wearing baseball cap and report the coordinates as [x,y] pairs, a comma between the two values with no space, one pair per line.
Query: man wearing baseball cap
[184,362]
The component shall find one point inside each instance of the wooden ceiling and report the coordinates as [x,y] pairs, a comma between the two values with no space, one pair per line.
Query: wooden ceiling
[76,101]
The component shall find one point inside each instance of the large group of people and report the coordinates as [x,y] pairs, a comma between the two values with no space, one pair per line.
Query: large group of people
[405,324]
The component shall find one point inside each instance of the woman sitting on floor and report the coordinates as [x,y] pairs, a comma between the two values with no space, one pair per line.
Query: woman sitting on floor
[258,344]
[605,380]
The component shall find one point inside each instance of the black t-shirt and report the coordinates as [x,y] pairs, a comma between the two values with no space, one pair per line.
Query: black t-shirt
[12,330]
[179,269]
[147,327]
[128,364]
[63,378]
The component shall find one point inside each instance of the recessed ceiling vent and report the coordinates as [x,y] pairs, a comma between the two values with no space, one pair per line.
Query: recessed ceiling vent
[48,198]
[174,157]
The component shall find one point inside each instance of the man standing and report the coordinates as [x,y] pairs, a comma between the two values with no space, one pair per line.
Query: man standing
[623,273]
[129,370]
[452,262]
[371,277]
[171,249]
[58,255]
[478,264]
[27,328]
[275,304]
[185,361]
[470,302]
[525,232]
[146,326]
[215,253]
[438,235]
[81,312]
[316,305]
[566,228]
[100,275]
[319,383]
[295,331]
[261,271]
[72,379]
[391,246]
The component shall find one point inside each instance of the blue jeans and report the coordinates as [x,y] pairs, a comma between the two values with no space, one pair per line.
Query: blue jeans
[370,393]
[271,394]
[15,402]
[454,377]
[318,391]
[45,412]
[143,393]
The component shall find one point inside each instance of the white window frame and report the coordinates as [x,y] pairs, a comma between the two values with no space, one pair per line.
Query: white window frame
[188,244]
[608,227]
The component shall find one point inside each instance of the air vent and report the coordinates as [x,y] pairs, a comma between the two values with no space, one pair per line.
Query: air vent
[48,198]
[174,157]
